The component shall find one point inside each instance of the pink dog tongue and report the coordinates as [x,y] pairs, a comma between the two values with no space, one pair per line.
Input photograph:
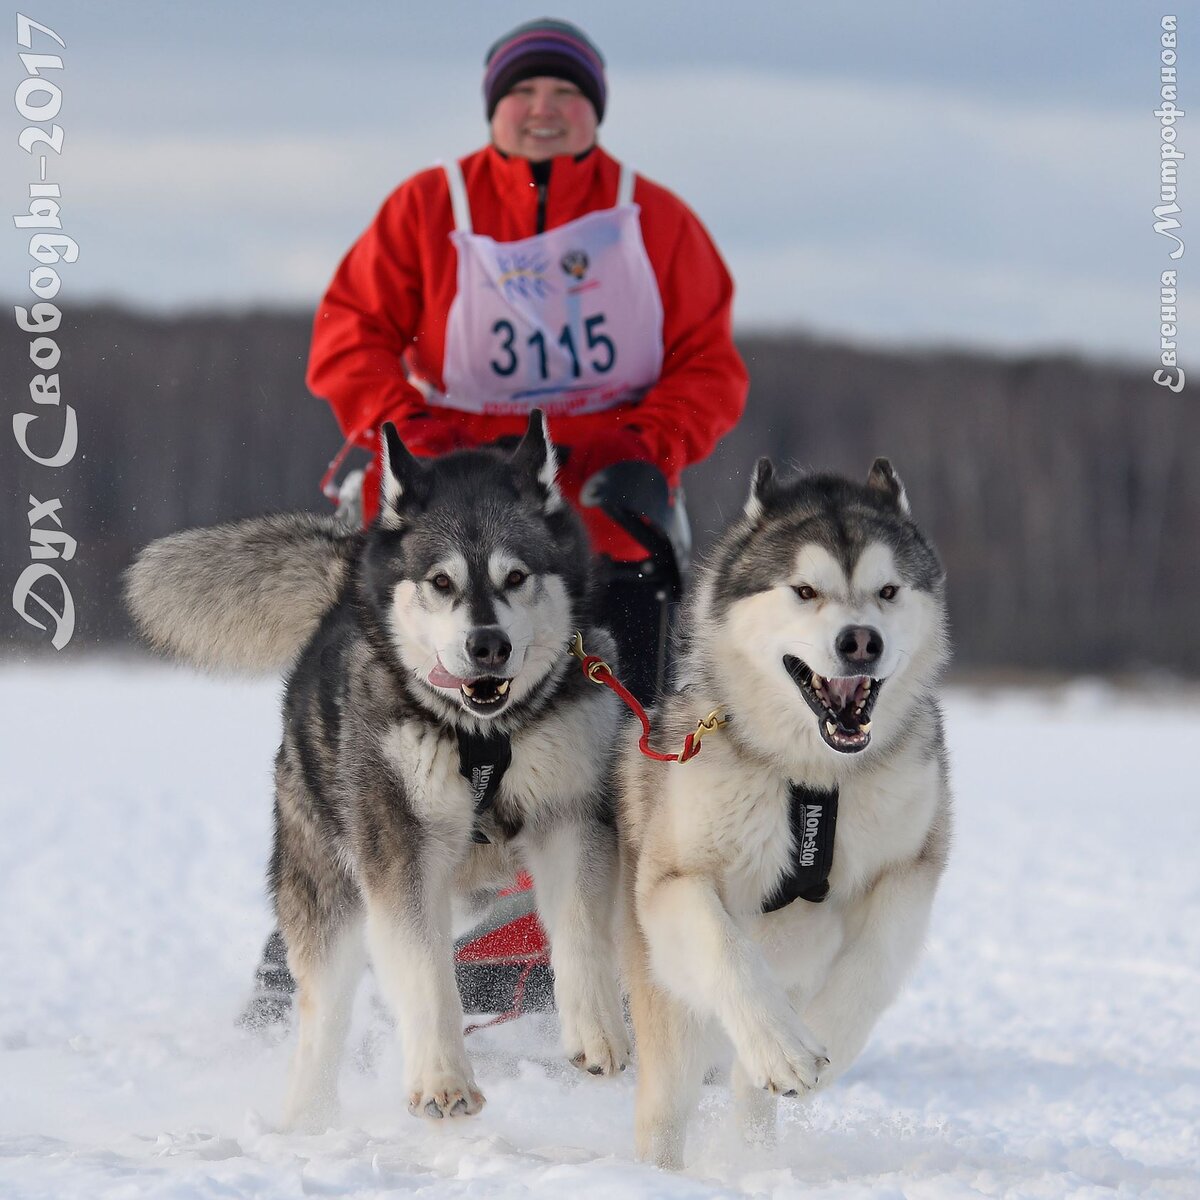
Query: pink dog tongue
[440,677]
[843,690]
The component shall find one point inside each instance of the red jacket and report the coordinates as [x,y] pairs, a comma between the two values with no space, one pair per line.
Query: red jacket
[388,303]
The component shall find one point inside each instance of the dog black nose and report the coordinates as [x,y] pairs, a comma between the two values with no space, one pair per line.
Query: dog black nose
[489,646]
[860,645]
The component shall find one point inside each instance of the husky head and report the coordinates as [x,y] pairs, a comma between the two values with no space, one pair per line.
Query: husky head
[821,617]
[476,572]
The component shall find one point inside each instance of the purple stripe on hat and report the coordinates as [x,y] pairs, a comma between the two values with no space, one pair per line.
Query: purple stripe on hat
[542,47]
[548,40]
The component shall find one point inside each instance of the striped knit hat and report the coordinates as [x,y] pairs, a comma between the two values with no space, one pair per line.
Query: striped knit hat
[545,47]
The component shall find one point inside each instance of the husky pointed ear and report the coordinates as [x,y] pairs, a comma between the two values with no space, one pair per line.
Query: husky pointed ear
[762,484]
[884,479]
[534,461]
[398,472]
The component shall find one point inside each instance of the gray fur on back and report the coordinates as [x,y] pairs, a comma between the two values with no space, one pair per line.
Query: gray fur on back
[246,596]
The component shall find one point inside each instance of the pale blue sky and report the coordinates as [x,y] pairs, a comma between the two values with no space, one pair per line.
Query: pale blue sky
[927,173]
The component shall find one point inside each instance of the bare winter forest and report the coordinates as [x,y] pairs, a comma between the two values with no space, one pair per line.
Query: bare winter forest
[1062,493]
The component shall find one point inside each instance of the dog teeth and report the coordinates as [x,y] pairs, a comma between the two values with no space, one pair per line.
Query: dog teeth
[831,728]
[865,727]
[470,691]
[817,681]
[502,687]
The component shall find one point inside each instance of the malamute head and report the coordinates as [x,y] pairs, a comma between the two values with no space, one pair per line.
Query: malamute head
[822,614]
[476,572]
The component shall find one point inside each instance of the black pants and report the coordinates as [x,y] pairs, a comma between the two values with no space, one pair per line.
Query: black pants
[636,611]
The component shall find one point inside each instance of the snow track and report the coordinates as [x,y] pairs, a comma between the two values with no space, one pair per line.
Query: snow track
[1048,1046]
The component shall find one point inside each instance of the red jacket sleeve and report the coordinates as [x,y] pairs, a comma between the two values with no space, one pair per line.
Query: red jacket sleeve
[367,319]
[702,390]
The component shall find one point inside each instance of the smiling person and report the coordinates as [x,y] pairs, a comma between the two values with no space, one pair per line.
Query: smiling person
[539,272]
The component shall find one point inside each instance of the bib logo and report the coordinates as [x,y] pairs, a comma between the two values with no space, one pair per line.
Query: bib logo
[575,263]
[523,276]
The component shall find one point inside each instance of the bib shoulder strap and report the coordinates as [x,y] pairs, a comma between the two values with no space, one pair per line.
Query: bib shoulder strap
[625,185]
[458,196]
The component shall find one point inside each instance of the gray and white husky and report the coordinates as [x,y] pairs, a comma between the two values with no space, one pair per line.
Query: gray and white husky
[435,742]
[778,886]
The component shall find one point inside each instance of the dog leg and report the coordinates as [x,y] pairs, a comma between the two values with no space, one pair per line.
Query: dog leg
[878,954]
[326,979]
[413,954]
[574,868]
[755,1108]
[706,960]
[670,1060]
[321,920]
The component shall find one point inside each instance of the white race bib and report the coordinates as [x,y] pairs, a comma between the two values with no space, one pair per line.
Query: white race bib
[569,321]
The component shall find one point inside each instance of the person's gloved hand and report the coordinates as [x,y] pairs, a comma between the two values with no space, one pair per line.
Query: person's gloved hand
[593,452]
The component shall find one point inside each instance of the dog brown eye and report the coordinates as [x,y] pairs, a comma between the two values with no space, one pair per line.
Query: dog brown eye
[889,592]
[805,592]
[442,582]
[515,578]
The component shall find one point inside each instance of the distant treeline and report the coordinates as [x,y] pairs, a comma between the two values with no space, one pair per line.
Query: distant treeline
[1063,494]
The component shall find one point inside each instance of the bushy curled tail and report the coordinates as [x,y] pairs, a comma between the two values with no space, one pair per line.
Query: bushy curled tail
[247,595]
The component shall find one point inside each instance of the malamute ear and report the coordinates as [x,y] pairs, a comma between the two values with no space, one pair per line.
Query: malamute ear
[398,471]
[534,461]
[761,485]
[884,479]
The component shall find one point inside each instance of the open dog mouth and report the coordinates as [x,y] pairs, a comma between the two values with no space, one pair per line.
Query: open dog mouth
[480,695]
[486,694]
[842,706]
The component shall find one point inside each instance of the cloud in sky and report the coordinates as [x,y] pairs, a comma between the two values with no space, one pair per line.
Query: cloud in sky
[885,207]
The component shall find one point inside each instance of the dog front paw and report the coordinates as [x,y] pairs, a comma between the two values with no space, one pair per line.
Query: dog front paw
[603,1052]
[445,1095]
[786,1064]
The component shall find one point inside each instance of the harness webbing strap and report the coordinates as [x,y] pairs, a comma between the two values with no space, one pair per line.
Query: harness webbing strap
[482,761]
[813,819]
[625,185]
[458,196]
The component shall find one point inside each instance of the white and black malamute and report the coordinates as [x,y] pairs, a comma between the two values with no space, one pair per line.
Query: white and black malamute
[778,886]
[436,741]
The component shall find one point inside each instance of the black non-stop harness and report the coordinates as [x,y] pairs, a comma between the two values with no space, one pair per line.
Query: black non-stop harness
[813,819]
[482,761]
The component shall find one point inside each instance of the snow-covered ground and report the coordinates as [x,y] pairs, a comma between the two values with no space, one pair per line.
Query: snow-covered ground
[1048,1046]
